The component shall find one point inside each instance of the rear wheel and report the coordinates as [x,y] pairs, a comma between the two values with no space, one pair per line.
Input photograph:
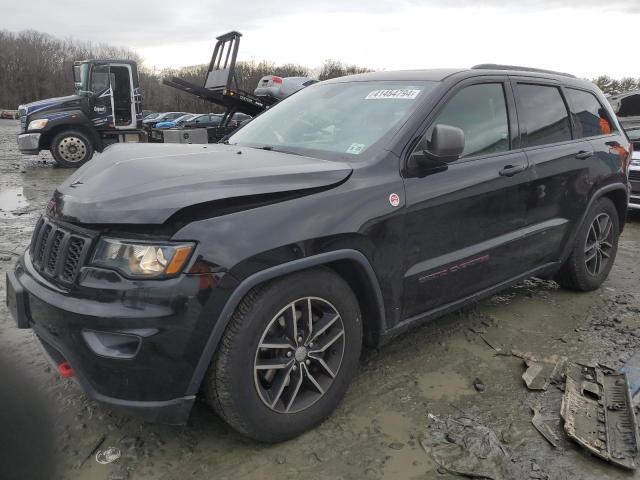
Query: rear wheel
[71,148]
[594,249]
[287,356]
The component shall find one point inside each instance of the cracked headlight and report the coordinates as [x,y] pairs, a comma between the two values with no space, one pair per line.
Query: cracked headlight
[137,259]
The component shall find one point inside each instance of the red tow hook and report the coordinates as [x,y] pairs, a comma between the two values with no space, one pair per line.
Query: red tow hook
[65,370]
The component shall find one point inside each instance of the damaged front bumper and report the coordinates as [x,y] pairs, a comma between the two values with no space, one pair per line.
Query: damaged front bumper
[132,348]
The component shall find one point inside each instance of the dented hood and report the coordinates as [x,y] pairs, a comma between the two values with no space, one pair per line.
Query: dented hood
[146,183]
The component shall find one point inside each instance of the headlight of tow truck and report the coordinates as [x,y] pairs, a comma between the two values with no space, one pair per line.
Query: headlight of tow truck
[142,260]
[38,124]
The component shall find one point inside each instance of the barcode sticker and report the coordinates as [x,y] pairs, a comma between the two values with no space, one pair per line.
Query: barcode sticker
[395,94]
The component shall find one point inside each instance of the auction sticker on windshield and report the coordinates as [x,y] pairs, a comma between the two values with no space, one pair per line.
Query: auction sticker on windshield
[355,148]
[396,94]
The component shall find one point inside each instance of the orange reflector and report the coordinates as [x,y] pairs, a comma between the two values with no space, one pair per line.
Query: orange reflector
[178,260]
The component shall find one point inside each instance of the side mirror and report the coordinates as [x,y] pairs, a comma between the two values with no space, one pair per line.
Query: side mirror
[447,144]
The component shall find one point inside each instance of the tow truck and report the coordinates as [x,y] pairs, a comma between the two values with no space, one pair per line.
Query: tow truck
[106,109]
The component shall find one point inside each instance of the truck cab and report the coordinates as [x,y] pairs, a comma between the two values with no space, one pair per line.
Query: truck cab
[105,109]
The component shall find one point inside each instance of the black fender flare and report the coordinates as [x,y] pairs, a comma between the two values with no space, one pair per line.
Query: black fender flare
[269,274]
[594,197]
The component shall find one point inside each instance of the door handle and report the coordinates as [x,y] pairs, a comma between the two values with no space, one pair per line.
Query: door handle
[511,170]
[584,154]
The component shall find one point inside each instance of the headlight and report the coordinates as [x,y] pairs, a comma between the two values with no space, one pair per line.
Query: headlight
[138,259]
[38,124]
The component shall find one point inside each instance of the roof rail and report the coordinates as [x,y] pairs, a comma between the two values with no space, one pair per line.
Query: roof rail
[493,66]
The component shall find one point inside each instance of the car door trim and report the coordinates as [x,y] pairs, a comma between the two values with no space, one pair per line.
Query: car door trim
[479,248]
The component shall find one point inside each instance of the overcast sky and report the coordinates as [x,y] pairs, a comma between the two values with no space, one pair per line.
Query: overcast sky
[583,37]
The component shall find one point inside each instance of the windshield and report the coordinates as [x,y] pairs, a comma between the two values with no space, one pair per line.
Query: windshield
[81,78]
[183,118]
[346,118]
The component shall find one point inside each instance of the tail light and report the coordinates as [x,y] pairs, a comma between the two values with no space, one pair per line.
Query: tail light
[276,80]
[623,153]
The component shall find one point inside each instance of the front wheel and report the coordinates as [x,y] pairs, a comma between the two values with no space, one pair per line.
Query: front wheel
[594,249]
[71,148]
[287,356]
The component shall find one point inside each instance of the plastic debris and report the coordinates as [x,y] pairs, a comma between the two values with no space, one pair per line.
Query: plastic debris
[598,414]
[463,446]
[540,372]
[542,425]
[108,455]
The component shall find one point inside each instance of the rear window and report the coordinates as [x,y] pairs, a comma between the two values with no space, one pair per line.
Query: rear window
[590,117]
[544,115]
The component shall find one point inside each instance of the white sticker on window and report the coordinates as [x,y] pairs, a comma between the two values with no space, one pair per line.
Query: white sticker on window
[355,148]
[396,93]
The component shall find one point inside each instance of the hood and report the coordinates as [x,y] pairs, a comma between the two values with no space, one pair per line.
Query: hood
[52,103]
[148,183]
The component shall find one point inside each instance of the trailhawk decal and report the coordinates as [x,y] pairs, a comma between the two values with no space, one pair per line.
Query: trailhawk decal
[453,268]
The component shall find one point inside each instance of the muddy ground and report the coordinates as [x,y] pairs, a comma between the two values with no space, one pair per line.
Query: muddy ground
[376,431]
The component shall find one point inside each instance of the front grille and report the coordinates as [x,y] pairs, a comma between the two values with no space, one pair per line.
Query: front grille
[58,252]
[634,175]
[22,115]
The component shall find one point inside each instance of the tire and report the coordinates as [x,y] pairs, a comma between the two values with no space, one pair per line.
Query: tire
[248,398]
[71,148]
[582,271]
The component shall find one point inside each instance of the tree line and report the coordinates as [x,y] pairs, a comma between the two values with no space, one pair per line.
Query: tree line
[36,65]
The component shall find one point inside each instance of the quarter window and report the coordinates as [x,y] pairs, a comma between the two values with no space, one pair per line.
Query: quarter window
[544,115]
[590,117]
[480,111]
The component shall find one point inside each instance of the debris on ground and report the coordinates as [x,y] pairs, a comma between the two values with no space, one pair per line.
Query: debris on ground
[598,414]
[462,446]
[543,425]
[108,455]
[632,370]
[479,385]
[541,372]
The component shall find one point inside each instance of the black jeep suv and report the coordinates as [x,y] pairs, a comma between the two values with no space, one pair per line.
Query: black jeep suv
[253,271]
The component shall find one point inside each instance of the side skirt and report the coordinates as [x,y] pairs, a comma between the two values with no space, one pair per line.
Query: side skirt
[422,318]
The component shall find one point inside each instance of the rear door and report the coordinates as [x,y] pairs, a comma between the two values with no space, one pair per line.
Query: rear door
[463,223]
[559,166]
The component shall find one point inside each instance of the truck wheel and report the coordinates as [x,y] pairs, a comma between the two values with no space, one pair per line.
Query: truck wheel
[287,356]
[71,148]
[594,249]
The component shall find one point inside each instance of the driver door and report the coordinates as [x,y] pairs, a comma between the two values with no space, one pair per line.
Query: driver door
[101,104]
[464,222]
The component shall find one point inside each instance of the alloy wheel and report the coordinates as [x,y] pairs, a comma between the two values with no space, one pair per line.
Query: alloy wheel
[599,243]
[299,355]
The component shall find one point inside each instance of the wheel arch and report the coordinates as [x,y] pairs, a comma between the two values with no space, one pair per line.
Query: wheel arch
[48,136]
[351,265]
[618,194]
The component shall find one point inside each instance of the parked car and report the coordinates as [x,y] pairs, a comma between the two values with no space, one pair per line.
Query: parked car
[627,108]
[254,270]
[278,88]
[177,123]
[634,169]
[9,114]
[204,120]
[163,117]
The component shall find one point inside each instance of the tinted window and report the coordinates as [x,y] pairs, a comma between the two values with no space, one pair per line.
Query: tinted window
[481,112]
[544,116]
[590,118]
